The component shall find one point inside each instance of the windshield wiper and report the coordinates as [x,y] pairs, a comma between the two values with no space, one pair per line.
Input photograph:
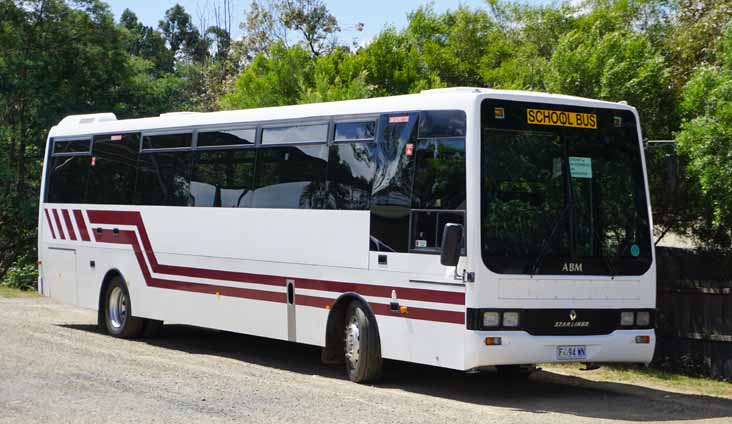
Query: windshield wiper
[546,245]
[605,260]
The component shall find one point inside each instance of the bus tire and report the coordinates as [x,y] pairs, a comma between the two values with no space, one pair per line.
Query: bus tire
[118,317]
[361,345]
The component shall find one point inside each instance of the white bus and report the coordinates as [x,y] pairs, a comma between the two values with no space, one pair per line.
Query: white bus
[462,228]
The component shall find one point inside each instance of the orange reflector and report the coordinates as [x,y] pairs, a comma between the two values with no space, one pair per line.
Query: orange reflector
[327,306]
[403,309]
[643,339]
[492,341]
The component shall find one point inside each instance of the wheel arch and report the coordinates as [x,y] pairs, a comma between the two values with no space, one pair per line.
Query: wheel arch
[111,274]
[334,344]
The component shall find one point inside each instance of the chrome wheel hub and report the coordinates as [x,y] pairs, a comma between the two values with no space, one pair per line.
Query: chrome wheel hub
[117,308]
[353,342]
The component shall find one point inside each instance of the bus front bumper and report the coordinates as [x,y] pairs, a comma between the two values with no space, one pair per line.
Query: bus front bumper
[519,347]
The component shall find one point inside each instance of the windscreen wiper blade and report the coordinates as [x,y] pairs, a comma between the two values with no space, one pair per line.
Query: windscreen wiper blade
[605,260]
[546,245]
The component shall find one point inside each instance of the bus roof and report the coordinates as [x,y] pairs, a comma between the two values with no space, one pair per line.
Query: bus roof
[441,98]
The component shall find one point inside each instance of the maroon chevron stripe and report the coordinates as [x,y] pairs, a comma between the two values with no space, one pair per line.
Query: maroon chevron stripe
[69,226]
[48,221]
[81,224]
[133,218]
[58,224]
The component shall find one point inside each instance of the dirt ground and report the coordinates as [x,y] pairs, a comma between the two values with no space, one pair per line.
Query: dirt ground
[56,367]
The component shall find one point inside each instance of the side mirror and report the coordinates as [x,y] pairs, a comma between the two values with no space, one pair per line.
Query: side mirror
[452,237]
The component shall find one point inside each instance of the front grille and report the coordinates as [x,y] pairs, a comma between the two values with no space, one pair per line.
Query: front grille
[558,322]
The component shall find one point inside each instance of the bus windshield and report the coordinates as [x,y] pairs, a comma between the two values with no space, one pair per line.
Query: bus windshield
[562,191]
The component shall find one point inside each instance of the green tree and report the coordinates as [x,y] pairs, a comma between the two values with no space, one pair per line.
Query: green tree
[184,39]
[146,43]
[706,139]
[44,77]
[274,79]
[314,22]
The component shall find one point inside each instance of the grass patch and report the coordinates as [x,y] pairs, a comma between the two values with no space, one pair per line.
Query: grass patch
[648,377]
[11,293]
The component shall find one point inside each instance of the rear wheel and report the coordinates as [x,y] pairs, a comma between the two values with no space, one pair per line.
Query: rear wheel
[118,311]
[361,345]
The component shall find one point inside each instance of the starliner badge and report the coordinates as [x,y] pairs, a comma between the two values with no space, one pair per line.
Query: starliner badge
[572,323]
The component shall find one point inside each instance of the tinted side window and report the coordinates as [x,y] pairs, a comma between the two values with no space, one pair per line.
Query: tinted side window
[72,146]
[442,123]
[243,137]
[439,176]
[163,178]
[223,178]
[347,131]
[112,174]
[167,141]
[392,188]
[67,179]
[310,133]
[291,177]
[351,170]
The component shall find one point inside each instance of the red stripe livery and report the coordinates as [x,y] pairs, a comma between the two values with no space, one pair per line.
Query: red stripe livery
[133,218]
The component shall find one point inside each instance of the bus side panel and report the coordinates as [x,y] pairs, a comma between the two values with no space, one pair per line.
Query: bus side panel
[61,281]
[422,342]
[209,310]
[298,236]
[247,316]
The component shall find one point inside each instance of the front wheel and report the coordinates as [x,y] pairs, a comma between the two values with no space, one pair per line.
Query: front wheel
[362,350]
[117,312]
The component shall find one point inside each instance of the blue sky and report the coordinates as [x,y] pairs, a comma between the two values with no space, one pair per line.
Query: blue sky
[375,14]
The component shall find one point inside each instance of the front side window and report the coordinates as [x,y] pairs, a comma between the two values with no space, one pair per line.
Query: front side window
[562,191]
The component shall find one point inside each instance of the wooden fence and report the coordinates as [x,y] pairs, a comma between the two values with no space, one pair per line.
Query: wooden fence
[694,321]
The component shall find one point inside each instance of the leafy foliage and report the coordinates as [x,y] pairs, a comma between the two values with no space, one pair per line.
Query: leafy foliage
[672,59]
[706,138]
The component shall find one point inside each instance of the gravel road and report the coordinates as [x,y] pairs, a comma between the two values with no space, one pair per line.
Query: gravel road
[56,367]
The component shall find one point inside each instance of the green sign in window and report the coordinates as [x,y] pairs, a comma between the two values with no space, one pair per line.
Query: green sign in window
[580,167]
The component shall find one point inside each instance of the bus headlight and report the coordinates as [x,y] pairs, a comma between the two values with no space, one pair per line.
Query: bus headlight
[491,319]
[510,319]
[627,319]
[643,318]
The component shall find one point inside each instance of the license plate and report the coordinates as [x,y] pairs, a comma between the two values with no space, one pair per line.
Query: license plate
[571,353]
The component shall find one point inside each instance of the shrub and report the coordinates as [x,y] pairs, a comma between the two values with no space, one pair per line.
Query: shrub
[22,275]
